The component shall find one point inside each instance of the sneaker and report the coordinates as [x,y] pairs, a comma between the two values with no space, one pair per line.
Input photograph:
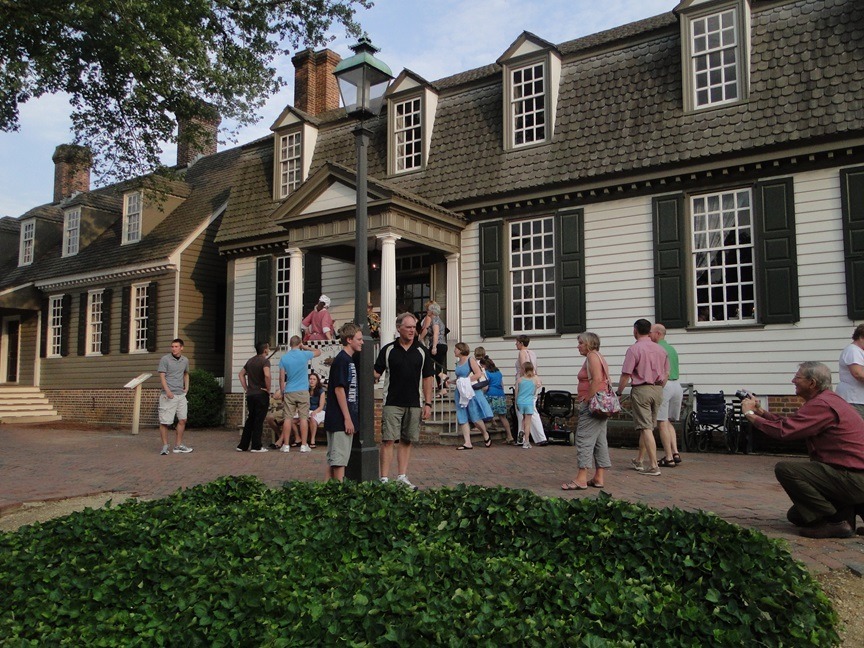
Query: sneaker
[526,445]
[181,448]
[286,448]
[305,448]
[259,450]
[384,480]
[650,472]
[637,465]
[164,449]
[239,449]
[403,479]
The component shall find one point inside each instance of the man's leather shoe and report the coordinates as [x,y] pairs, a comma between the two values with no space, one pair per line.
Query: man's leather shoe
[795,517]
[823,530]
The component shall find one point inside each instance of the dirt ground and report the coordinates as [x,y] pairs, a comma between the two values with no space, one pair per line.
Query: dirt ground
[845,589]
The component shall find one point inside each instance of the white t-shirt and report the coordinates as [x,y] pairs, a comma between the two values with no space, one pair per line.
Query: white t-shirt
[851,389]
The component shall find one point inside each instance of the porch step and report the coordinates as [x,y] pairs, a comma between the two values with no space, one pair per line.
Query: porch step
[25,405]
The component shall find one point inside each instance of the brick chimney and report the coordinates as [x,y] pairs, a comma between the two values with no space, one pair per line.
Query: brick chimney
[315,88]
[197,135]
[72,165]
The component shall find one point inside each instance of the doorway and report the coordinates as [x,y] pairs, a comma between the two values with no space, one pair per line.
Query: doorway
[10,349]
[413,283]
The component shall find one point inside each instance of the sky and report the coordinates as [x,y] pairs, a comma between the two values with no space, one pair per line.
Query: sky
[433,38]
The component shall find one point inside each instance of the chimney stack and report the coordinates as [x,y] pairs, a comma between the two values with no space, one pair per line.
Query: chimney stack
[198,135]
[72,165]
[315,88]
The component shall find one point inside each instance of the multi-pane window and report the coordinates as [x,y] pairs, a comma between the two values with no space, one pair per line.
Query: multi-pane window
[290,172]
[532,275]
[722,246]
[408,135]
[283,274]
[528,104]
[94,322]
[71,231]
[132,218]
[28,240]
[714,53]
[55,326]
[140,315]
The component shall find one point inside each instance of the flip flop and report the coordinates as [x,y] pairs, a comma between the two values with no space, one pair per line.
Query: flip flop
[487,442]
[312,445]
[464,447]
[594,484]
[572,486]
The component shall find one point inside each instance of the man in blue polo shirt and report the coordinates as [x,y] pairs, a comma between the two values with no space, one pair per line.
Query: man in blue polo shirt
[294,383]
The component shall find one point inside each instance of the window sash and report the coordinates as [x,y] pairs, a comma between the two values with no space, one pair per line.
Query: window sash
[55,332]
[722,257]
[532,276]
[140,315]
[714,58]
[94,322]
[408,135]
[132,218]
[28,241]
[71,232]
[283,275]
[290,172]
[528,104]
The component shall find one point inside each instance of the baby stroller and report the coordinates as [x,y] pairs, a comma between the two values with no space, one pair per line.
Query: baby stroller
[556,406]
[710,415]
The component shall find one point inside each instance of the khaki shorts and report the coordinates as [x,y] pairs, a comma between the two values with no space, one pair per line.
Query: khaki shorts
[168,407]
[338,448]
[297,404]
[645,403]
[401,423]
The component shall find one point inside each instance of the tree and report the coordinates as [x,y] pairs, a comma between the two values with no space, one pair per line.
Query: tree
[131,67]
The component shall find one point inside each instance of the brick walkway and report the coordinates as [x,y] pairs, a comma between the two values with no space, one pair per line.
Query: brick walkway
[41,463]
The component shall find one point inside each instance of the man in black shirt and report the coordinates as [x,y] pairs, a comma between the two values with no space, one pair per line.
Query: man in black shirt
[409,377]
[255,381]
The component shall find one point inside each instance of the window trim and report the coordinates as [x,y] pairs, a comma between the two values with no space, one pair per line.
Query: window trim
[393,133]
[55,327]
[68,238]
[509,103]
[127,230]
[282,279]
[134,320]
[550,285]
[27,242]
[284,189]
[95,328]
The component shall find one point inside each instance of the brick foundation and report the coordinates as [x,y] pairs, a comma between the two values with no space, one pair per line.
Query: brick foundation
[104,406]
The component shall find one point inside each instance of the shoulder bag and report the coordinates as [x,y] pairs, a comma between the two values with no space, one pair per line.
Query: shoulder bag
[605,402]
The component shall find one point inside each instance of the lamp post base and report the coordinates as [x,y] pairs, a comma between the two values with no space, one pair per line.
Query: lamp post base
[363,464]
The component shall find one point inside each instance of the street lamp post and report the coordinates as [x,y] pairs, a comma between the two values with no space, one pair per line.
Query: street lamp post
[363,79]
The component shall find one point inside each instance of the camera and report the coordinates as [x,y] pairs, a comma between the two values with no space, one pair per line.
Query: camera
[741,394]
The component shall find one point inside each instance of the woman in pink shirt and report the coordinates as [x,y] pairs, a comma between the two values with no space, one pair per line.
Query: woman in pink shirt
[318,324]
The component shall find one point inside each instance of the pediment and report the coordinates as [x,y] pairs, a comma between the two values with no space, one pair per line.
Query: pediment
[407,80]
[525,45]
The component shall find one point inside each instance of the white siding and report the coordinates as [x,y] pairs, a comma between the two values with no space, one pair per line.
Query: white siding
[243,334]
[337,282]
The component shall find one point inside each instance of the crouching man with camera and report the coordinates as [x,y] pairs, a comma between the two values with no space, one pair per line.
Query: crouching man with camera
[826,490]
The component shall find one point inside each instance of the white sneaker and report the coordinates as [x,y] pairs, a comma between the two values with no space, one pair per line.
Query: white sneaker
[164,450]
[384,480]
[526,445]
[637,465]
[403,479]
[260,450]
[286,448]
[648,471]
[305,448]
[182,448]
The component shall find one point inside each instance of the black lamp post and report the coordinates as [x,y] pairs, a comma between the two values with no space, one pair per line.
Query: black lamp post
[363,80]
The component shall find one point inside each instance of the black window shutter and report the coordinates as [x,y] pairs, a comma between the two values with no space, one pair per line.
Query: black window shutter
[106,321]
[65,324]
[263,299]
[570,286]
[312,285]
[491,280]
[776,263]
[125,318]
[152,315]
[670,250]
[46,325]
[852,192]
[82,324]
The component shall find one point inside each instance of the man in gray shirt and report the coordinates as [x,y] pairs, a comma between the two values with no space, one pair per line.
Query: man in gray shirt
[174,375]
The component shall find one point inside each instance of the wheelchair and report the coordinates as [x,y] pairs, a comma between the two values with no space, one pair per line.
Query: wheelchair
[711,414]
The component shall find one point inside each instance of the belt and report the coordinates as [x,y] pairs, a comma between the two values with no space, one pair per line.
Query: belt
[656,384]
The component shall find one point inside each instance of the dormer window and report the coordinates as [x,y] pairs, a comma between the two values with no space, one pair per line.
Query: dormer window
[408,135]
[132,218]
[715,54]
[528,104]
[28,242]
[71,231]
[290,166]
[411,106]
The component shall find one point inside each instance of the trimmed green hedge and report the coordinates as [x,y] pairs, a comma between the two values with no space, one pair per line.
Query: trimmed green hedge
[233,563]
[206,400]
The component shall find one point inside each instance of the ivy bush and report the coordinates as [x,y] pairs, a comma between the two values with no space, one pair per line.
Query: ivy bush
[206,400]
[234,563]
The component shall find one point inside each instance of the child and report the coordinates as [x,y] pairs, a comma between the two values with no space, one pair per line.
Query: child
[525,397]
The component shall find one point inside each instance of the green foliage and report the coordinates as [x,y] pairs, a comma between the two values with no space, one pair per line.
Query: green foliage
[235,563]
[131,66]
[206,400]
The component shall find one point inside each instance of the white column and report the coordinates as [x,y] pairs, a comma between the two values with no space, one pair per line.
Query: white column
[454,300]
[388,286]
[295,290]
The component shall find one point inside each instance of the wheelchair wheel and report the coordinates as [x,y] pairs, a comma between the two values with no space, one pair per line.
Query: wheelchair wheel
[571,440]
[691,427]
[730,428]
[703,441]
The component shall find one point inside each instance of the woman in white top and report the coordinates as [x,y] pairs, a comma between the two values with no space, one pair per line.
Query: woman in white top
[851,386]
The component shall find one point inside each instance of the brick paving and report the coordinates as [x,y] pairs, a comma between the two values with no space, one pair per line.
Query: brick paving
[47,463]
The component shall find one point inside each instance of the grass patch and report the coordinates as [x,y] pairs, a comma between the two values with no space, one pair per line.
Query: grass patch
[234,563]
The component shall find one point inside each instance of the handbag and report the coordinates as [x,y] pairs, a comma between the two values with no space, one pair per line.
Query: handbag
[604,403]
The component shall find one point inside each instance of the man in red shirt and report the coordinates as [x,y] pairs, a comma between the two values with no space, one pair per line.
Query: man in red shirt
[826,490]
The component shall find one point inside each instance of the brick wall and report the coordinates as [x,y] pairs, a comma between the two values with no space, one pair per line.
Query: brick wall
[315,88]
[71,170]
[104,406]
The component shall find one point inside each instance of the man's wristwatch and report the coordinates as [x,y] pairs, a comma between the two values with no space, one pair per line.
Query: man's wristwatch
[748,412]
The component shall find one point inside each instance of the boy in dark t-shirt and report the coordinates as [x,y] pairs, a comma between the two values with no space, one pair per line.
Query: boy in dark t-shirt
[341,416]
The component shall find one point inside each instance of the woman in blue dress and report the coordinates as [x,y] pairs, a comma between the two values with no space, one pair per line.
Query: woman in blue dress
[495,394]
[471,404]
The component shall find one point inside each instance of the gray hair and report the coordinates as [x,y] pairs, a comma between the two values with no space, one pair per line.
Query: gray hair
[591,340]
[817,372]
[433,308]
[401,318]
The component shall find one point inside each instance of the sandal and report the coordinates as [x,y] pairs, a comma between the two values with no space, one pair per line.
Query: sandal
[676,458]
[572,485]
[464,447]
[666,463]
[594,484]
[312,445]
[487,441]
